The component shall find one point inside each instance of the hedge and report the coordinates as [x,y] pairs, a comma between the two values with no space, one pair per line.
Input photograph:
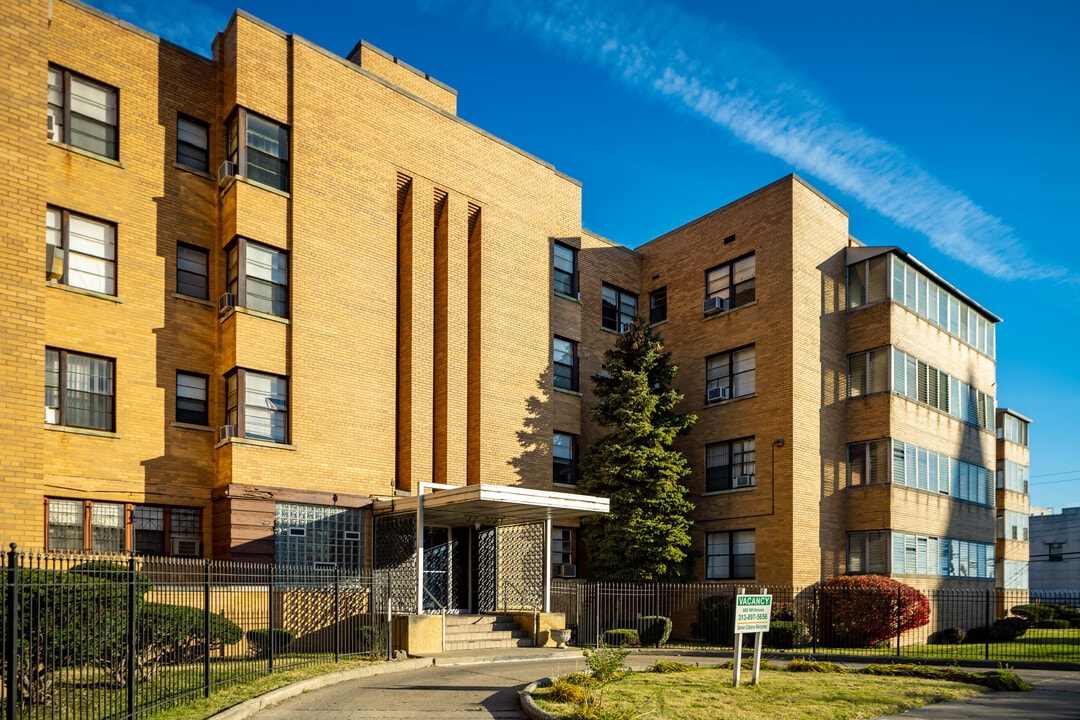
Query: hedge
[653,630]
[267,640]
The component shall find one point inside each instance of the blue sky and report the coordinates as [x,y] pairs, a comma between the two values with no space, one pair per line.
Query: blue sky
[946,128]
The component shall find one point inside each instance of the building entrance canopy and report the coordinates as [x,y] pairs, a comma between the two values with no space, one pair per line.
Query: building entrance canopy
[493,505]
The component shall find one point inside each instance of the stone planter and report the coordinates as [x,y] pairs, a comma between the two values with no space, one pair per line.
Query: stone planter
[561,636]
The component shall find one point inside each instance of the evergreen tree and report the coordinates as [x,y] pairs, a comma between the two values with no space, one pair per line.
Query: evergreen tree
[646,536]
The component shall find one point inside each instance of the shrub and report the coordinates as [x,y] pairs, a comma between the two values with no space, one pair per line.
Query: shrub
[370,639]
[784,613]
[621,636]
[653,630]
[669,666]
[265,641]
[785,634]
[948,636]
[716,619]
[863,610]
[1034,613]
[563,690]
[979,635]
[606,663]
[1009,628]
[1054,624]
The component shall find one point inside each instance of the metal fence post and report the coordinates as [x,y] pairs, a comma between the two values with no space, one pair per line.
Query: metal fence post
[270,623]
[11,634]
[206,627]
[337,614]
[899,617]
[132,620]
[989,625]
[814,613]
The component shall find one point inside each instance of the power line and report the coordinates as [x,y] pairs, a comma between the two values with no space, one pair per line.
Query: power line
[1063,472]
[1057,482]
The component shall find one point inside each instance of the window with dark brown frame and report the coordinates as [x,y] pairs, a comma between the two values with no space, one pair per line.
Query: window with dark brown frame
[658,305]
[192,143]
[83,113]
[79,390]
[94,526]
[565,361]
[565,269]
[730,374]
[730,464]
[564,458]
[729,555]
[733,282]
[257,276]
[191,398]
[618,308]
[193,271]
[257,405]
[259,148]
[80,251]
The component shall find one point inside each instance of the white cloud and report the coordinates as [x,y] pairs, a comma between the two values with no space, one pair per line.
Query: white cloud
[698,65]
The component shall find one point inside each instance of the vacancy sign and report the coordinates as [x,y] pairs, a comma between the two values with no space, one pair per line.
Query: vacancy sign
[752,613]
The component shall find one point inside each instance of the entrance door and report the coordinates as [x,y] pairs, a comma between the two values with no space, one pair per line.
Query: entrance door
[448,573]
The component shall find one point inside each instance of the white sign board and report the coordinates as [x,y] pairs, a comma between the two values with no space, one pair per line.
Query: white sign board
[752,613]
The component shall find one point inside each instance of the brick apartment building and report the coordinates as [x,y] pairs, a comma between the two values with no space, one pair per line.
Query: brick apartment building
[280,290]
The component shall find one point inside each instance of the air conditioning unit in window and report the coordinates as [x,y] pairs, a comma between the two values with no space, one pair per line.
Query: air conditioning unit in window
[225,432]
[565,570]
[50,127]
[226,303]
[54,262]
[623,327]
[226,172]
[716,394]
[744,481]
[185,547]
[714,305]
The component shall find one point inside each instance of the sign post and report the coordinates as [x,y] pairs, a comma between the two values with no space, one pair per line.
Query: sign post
[752,615]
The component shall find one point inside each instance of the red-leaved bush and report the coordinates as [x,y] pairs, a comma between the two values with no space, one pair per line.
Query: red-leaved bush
[865,610]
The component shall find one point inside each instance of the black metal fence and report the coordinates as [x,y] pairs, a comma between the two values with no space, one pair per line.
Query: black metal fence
[975,624]
[92,637]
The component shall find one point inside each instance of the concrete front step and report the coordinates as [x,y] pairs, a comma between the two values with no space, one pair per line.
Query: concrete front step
[479,632]
[488,644]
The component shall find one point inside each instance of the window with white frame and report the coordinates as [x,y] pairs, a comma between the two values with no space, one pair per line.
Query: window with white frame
[80,251]
[729,555]
[258,277]
[79,390]
[257,405]
[259,148]
[733,282]
[1012,525]
[730,374]
[1014,430]
[926,384]
[868,552]
[731,464]
[618,308]
[83,113]
[918,467]
[1012,476]
[916,554]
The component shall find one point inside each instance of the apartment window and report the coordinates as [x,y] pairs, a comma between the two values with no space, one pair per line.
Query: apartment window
[730,374]
[83,113]
[733,282]
[192,143]
[80,251]
[566,363]
[105,527]
[562,553]
[868,463]
[658,305]
[1014,430]
[79,390]
[729,555]
[1012,525]
[257,405]
[320,536]
[868,281]
[263,285]
[868,552]
[730,465]
[259,148]
[193,271]
[868,372]
[565,270]
[191,404]
[564,458]
[619,308]
[1055,552]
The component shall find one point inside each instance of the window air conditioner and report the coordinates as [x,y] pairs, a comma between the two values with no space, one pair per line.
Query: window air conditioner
[623,327]
[226,303]
[225,432]
[226,172]
[714,305]
[54,262]
[716,394]
[50,127]
[744,481]
[565,570]
[185,547]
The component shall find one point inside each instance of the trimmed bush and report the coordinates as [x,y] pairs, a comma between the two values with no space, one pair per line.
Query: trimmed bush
[267,640]
[864,610]
[785,634]
[370,639]
[948,636]
[1034,613]
[1054,624]
[621,636]
[716,619]
[653,630]
[1009,628]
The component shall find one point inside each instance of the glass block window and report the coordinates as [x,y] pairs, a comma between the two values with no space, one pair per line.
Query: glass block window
[319,535]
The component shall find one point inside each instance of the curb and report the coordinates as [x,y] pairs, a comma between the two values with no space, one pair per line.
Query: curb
[529,706]
[249,707]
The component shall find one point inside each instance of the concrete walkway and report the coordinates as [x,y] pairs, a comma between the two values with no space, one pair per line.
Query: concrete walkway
[481,686]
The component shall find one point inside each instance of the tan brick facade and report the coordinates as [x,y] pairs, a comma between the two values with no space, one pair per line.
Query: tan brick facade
[417,341]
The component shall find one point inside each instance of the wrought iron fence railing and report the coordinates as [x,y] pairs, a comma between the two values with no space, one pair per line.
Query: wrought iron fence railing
[972,624]
[93,637]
